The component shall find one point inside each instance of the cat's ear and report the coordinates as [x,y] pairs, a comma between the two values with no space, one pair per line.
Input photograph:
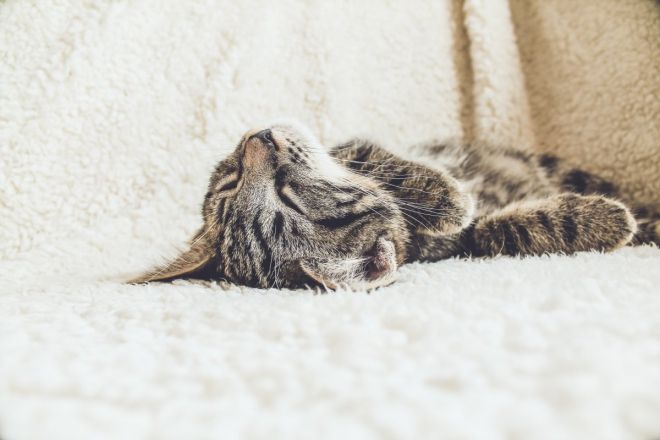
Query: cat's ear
[191,261]
[375,269]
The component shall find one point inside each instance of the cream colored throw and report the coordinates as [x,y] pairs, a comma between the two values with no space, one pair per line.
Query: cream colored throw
[113,113]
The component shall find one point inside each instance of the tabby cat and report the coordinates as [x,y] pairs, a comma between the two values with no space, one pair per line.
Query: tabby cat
[282,211]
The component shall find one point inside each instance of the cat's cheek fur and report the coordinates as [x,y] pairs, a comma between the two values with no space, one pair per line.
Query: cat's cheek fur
[376,269]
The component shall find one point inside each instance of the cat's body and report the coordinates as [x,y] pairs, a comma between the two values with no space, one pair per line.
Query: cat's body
[524,204]
[282,211]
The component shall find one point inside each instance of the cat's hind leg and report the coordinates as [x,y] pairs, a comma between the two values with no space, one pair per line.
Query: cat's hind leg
[565,223]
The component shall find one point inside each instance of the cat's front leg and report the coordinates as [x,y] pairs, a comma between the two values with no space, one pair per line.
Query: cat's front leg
[432,201]
[565,223]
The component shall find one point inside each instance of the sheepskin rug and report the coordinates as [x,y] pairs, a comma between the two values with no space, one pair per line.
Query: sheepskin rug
[113,113]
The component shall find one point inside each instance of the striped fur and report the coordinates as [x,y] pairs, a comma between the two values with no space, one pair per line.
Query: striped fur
[525,204]
[282,211]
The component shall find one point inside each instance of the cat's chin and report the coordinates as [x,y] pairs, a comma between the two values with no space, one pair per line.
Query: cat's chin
[358,283]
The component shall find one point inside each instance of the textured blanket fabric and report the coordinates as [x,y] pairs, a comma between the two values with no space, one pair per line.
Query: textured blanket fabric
[113,113]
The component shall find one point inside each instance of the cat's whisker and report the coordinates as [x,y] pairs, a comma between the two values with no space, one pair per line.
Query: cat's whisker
[418,208]
[369,208]
[407,217]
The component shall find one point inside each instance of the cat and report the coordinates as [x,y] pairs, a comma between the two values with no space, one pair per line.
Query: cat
[282,211]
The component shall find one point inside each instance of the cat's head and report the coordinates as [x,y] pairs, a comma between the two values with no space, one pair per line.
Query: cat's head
[281,212]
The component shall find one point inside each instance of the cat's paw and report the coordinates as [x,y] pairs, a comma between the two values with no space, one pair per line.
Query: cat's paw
[602,223]
[451,218]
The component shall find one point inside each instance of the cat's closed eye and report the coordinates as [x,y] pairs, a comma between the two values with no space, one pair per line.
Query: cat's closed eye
[229,183]
[289,199]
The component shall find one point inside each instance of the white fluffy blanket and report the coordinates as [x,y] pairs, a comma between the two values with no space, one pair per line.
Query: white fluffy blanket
[112,115]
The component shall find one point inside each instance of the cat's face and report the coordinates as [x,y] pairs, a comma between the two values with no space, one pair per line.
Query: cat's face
[281,212]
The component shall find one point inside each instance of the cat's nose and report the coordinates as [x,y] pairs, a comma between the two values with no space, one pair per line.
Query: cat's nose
[265,136]
[258,149]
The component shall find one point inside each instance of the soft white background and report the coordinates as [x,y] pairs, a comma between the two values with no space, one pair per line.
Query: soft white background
[112,115]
